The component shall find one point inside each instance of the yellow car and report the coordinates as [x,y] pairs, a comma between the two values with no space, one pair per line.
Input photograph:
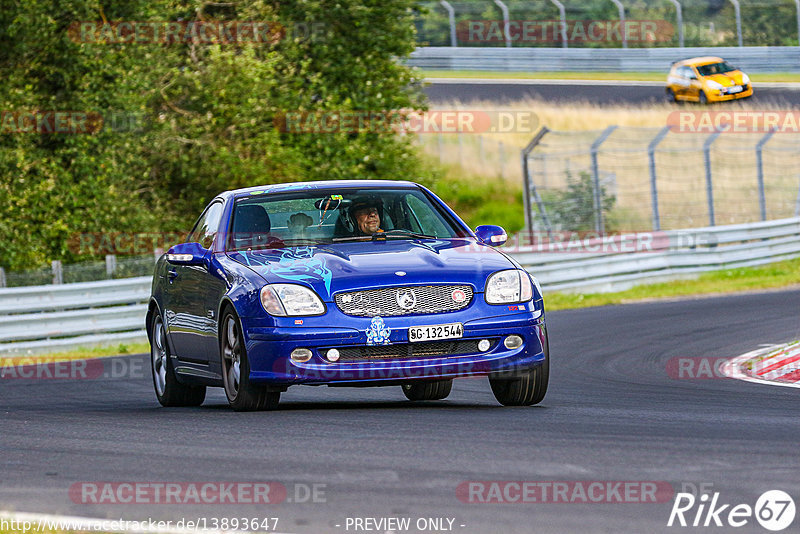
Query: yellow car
[707,79]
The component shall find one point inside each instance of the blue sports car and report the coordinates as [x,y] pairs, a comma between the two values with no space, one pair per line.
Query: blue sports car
[342,283]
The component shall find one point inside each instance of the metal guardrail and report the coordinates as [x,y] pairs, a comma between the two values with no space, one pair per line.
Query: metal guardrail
[59,317]
[52,318]
[686,254]
[751,59]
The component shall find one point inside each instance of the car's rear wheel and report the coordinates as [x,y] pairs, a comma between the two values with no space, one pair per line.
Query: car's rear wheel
[421,391]
[169,391]
[671,96]
[525,390]
[243,395]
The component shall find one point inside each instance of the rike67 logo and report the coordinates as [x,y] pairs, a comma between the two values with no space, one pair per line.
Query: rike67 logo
[774,510]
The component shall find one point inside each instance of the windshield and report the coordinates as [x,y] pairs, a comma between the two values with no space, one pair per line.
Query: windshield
[715,68]
[318,216]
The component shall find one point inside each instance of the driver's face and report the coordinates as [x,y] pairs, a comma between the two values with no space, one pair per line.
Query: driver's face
[368,220]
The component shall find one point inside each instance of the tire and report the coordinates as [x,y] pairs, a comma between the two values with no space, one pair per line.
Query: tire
[243,395]
[422,391]
[525,390]
[703,99]
[671,96]
[168,390]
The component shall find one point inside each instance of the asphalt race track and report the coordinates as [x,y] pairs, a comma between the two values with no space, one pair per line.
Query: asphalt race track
[612,414]
[504,91]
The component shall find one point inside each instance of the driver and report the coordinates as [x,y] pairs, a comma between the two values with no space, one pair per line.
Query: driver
[365,213]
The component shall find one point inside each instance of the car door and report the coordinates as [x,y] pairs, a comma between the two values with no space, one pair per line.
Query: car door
[695,85]
[191,325]
[683,84]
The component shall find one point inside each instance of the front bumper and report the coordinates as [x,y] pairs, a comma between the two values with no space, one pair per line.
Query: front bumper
[268,351]
[721,96]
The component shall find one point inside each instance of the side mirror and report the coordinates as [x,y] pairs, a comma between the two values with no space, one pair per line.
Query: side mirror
[491,235]
[187,254]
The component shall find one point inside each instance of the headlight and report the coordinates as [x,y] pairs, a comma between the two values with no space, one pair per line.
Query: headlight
[745,78]
[290,300]
[508,287]
[713,85]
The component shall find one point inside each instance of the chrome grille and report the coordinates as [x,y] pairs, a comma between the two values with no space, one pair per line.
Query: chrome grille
[429,349]
[388,301]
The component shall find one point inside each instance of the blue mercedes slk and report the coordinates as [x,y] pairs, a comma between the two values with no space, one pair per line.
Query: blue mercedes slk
[342,283]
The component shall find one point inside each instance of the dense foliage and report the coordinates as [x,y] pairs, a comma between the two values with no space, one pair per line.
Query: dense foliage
[183,119]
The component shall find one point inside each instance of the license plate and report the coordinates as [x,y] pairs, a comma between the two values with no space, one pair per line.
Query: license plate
[434,332]
[735,89]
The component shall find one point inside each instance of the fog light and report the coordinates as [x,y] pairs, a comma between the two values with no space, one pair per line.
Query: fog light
[513,342]
[301,355]
[483,345]
[332,355]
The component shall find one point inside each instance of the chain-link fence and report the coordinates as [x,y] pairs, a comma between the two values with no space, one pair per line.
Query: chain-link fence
[639,179]
[596,23]
[112,267]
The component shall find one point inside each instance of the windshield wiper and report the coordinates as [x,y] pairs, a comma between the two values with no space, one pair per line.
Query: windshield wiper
[399,232]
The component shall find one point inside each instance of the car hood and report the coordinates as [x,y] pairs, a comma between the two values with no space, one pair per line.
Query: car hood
[727,79]
[329,269]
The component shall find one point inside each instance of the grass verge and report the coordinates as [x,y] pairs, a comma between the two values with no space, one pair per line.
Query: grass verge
[88,353]
[771,276]
[625,76]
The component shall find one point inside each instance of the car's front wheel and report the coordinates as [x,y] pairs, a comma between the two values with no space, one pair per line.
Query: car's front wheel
[169,391]
[702,98]
[243,395]
[422,391]
[525,390]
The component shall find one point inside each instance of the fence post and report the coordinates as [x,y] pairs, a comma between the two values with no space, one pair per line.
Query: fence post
[562,14]
[797,202]
[111,265]
[596,200]
[651,154]
[797,10]
[58,272]
[451,15]
[2,277]
[530,188]
[762,197]
[621,10]
[738,12]
[506,22]
[709,181]
[679,20]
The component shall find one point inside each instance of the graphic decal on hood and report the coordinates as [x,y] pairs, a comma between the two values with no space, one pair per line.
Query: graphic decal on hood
[301,265]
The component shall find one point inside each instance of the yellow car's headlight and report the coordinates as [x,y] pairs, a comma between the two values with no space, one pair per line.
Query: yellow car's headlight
[711,84]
